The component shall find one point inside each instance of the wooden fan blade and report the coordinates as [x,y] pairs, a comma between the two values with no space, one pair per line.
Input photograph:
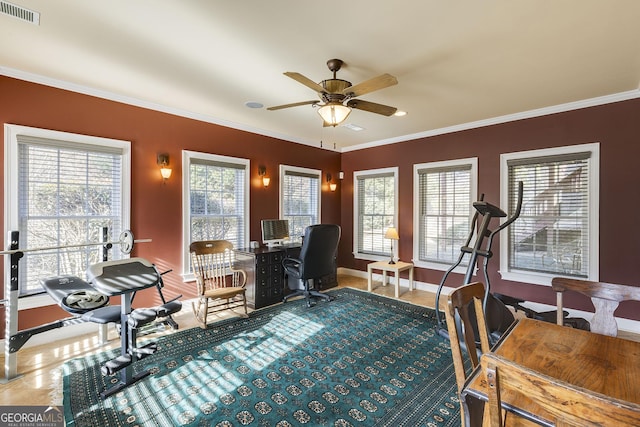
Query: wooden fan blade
[305,81]
[370,85]
[295,104]
[371,107]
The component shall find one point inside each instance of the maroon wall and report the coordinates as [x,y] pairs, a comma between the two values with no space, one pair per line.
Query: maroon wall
[156,210]
[615,126]
[156,207]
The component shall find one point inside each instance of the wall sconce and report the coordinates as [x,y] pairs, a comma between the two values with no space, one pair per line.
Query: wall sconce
[262,172]
[332,185]
[163,162]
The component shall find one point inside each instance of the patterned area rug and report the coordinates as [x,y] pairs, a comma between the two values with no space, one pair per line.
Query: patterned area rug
[360,360]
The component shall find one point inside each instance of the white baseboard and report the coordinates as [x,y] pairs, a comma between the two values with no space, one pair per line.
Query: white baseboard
[429,287]
[626,325]
[79,329]
[65,332]
[73,330]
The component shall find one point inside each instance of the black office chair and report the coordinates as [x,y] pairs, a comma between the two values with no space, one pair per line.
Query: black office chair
[317,259]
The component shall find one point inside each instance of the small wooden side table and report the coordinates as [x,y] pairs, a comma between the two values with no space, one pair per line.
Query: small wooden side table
[386,267]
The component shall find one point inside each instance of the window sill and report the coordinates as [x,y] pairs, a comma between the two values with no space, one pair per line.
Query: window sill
[534,279]
[370,257]
[461,269]
[35,301]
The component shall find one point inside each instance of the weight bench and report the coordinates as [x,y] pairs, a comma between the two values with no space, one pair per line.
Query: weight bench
[86,304]
[71,293]
[77,297]
[125,278]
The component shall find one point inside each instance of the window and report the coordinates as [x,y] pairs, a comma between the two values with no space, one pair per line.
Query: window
[62,189]
[556,233]
[375,210]
[299,198]
[443,196]
[216,200]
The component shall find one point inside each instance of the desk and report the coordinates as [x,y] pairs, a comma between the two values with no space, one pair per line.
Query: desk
[265,275]
[600,363]
[385,267]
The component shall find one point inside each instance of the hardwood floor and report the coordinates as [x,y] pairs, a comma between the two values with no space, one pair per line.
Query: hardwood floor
[39,366]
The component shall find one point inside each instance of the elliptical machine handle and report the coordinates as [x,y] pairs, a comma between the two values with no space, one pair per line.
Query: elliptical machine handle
[516,214]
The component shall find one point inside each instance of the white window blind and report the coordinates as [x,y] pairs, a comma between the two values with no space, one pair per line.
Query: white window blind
[444,215]
[376,211]
[67,191]
[217,205]
[300,199]
[553,233]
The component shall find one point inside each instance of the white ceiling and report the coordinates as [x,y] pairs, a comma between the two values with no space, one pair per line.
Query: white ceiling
[458,63]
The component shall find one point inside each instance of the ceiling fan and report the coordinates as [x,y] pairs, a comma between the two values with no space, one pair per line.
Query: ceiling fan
[338,97]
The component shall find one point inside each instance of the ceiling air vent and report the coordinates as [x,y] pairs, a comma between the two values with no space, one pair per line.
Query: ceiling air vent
[19,12]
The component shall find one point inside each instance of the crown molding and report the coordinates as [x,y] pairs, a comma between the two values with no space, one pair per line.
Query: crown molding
[60,84]
[111,96]
[539,112]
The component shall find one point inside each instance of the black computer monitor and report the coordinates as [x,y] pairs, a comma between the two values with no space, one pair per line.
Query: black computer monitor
[274,231]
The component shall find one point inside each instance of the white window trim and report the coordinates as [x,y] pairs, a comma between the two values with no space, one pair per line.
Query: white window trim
[365,173]
[594,210]
[187,155]
[473,196]
[11,133]
[286,168]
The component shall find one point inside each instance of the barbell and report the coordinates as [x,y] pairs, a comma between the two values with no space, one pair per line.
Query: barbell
[125,241]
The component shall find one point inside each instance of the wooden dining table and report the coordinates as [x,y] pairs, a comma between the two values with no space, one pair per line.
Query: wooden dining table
[604,364]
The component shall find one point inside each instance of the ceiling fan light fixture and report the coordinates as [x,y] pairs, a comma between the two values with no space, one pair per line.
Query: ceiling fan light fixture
[334,113]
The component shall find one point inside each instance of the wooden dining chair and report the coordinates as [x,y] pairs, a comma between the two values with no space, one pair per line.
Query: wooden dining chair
[564,403]
[463,340]
[604,296]
[220,286]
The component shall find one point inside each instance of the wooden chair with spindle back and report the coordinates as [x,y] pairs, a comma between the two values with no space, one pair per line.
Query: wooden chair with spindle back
[220,286]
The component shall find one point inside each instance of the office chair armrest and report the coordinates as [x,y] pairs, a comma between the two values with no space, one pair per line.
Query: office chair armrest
[291,262]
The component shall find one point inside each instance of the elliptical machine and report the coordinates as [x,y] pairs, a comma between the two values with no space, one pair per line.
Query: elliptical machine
[498,316]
